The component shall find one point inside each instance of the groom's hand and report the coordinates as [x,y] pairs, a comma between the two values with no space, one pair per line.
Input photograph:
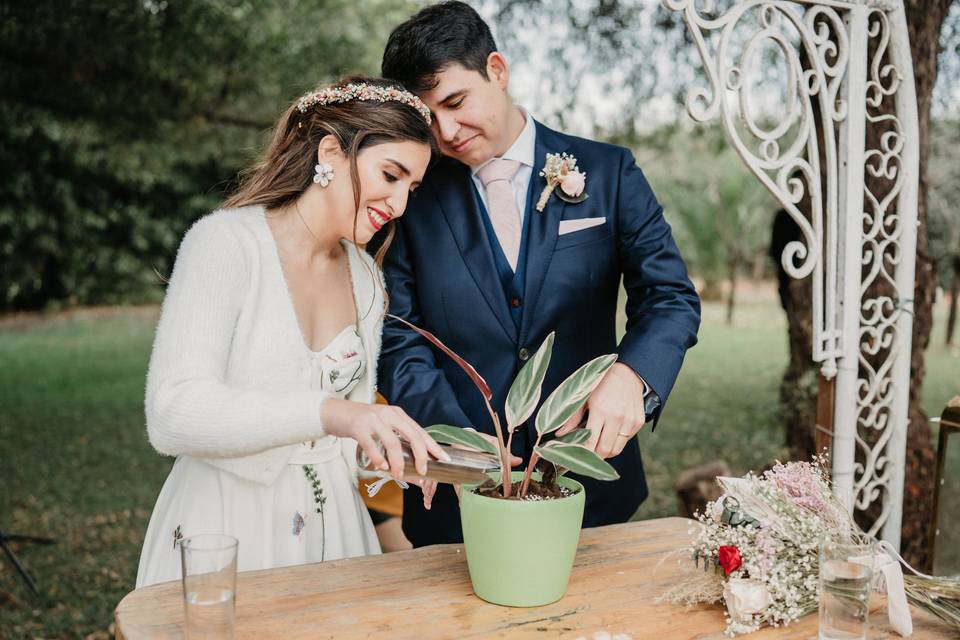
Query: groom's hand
[616,411]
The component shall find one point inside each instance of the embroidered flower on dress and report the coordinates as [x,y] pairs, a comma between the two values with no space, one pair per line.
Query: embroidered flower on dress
[319,500]
[298,523]
[177,536]
[344,374]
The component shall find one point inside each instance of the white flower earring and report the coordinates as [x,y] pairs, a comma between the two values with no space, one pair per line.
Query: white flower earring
[323,174]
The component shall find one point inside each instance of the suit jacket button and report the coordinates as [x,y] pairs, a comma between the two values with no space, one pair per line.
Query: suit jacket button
[524,354]
[514,302]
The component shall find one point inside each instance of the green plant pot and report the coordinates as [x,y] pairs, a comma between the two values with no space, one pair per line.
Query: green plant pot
[520,553]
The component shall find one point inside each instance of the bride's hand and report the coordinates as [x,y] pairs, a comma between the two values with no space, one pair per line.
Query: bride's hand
[369,423]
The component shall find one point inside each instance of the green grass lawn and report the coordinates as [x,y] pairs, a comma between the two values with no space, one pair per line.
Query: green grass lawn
[724,405]
[76,464]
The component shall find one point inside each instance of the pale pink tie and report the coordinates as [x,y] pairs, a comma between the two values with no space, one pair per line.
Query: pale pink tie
[497,178]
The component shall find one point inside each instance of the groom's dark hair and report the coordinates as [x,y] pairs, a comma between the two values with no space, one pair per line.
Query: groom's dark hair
[433,39]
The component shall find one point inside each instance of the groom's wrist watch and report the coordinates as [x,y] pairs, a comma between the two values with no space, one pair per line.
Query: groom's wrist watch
[651,401]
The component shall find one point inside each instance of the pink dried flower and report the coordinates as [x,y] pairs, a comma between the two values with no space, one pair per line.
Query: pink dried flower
[801,483]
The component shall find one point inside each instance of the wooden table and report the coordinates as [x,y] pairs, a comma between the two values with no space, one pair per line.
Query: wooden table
[425,593]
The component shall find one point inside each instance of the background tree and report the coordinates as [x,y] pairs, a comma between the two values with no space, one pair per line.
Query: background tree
[123,121]
[719,212]
[799,390]
[944,217]
[925,21]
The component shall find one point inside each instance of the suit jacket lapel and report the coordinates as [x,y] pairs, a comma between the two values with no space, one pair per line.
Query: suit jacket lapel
[543,225]
[455,192]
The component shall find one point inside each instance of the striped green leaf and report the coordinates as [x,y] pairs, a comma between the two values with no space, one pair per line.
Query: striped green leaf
[462,436]
[577,436]
[572,393]
[579,460]
[525,391]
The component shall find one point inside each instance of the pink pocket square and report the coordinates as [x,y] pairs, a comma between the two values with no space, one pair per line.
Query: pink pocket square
[569,226]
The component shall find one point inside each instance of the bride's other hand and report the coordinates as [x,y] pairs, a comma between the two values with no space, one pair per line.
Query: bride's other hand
[429,488]
[369,423]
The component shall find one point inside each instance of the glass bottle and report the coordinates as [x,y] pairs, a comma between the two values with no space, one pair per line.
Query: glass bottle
[465,467]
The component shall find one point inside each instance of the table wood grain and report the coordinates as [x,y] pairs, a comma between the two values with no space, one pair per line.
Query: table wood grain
[618,576]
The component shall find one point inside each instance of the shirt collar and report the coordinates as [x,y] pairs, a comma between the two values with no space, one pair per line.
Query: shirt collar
[522,149]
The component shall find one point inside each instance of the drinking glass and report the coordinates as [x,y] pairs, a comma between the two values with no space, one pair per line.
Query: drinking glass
[209,585]
[846,571]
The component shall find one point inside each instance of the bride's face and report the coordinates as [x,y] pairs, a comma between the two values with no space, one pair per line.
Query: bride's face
[389,172]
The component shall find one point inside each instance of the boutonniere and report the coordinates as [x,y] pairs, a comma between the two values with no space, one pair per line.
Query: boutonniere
[561,171]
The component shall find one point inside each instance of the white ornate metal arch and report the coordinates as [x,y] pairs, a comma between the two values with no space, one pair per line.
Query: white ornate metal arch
[843,59]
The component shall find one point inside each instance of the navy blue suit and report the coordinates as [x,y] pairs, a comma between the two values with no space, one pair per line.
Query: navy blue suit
[446,273]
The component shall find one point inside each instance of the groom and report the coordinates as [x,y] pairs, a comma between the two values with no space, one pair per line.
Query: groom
[477,263]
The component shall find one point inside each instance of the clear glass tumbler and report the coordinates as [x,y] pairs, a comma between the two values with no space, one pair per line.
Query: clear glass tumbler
[846,572]
[209,586]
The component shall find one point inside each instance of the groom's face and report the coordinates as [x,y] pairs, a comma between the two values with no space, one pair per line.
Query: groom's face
[470,112]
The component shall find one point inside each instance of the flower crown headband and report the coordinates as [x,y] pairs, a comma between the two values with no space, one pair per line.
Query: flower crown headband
[364,92]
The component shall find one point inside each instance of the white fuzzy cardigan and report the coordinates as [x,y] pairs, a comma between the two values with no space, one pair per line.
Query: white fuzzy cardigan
[229,376]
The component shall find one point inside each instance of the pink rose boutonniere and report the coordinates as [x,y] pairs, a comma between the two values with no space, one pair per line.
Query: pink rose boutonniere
[561,171]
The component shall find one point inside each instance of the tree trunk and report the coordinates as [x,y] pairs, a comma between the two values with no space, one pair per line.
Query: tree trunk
[731,298]
[798,389]
[954,294]
[799,386]
[924,20]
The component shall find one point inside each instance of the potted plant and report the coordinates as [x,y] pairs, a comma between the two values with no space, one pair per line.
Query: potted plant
[521,536]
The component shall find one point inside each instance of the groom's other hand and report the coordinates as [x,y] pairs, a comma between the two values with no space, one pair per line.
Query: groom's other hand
[615,411]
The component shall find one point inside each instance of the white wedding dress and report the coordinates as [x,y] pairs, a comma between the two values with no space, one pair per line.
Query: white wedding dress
[295,520]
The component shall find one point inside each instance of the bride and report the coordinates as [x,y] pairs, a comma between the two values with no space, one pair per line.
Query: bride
[263,368]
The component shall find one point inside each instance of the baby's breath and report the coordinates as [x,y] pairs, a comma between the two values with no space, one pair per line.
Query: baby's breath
[786,511]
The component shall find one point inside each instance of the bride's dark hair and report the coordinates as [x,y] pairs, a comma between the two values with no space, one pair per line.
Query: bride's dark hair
[286,169]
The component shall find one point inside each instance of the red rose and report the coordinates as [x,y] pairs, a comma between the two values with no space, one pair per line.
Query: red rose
[730,559]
